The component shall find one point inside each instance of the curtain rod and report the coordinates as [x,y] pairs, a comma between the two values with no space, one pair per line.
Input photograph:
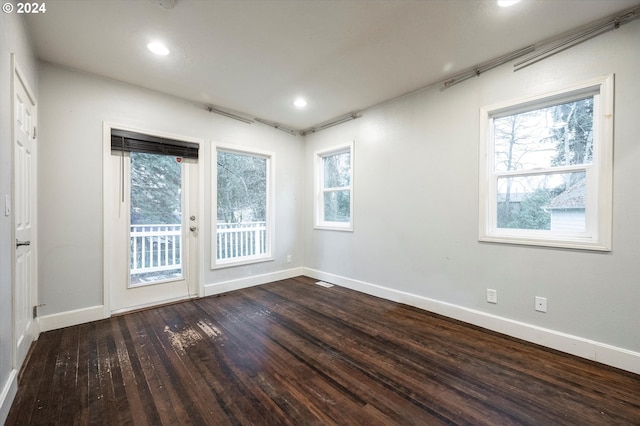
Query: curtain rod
[215,110]
[577,38]
[335,122]
[568,41]
[486,66]
[277,126]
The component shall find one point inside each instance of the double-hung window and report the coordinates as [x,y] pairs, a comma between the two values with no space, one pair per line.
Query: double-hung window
[334,188]
[546,169]
[243,205]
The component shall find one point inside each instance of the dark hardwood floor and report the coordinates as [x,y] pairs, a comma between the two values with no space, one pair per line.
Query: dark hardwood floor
[295,353]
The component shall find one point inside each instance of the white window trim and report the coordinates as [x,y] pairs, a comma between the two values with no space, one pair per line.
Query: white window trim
[268,256]
[599,195]
[319,222]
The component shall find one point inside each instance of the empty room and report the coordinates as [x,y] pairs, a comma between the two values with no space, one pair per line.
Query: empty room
[319,212]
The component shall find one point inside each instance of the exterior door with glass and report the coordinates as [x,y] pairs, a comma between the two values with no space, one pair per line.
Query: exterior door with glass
[154,250]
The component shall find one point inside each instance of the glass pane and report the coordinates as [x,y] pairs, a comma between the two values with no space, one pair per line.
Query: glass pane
[337,170]
[337,206]
[156,218]
[554,202]
[242,206]
[558,135]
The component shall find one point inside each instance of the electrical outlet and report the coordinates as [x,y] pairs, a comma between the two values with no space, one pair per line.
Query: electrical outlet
[492,295]
[289,259]
[541,304]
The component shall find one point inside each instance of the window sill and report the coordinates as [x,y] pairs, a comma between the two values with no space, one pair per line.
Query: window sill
[241,262]
[329,227]
[577,243]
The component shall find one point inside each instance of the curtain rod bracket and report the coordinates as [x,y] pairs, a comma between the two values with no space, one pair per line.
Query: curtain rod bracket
[276,126]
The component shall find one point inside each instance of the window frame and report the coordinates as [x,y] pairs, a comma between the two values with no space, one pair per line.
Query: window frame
[270,219]
[320,190]
[599,174]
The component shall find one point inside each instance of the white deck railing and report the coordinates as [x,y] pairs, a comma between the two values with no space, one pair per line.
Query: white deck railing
[156,248]
[241,239]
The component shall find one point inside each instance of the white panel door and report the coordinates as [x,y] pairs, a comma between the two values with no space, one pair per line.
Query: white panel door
[24,291]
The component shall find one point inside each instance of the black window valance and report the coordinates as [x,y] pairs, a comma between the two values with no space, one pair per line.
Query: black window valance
[123,140]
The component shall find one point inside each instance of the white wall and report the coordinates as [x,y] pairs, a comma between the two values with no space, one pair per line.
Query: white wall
[416,209]
[13,39]
[73,108]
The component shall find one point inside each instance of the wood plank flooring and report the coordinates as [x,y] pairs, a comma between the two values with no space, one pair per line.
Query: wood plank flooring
[295,353]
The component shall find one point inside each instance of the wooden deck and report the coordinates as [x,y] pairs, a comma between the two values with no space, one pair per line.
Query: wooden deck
[295,353]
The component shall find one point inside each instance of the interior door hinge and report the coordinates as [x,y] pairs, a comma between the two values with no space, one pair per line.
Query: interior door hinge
[35,310]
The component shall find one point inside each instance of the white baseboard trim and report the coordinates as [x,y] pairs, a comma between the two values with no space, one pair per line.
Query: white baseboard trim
[69,318]
[574,345]
[9,391]
[94,313]
[153,304]
[225,286]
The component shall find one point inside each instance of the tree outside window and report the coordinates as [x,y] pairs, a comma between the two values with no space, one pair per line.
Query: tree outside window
[334,199]
[546,138]
[546,169]
[242,230]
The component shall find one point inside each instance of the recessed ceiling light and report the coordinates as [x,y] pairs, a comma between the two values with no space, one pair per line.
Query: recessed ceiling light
[158,48]
[300,103]
[507,3]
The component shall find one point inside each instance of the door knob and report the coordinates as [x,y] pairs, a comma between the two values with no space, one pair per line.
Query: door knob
[193,228]
[22,243]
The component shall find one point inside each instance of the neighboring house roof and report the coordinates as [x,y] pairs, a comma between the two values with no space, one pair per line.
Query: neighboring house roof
[572,198]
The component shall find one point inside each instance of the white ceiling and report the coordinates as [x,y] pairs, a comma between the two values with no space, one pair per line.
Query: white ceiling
[256,56]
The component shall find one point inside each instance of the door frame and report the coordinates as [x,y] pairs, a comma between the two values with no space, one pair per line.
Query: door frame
[18,77]
[108,193]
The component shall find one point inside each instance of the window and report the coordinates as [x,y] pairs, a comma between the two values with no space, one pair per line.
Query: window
[155,232]
[243,229]
[334,188]
[546,169]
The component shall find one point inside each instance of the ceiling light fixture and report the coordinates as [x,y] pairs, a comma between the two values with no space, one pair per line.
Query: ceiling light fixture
[507,3]
[158,48]
[300,103]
